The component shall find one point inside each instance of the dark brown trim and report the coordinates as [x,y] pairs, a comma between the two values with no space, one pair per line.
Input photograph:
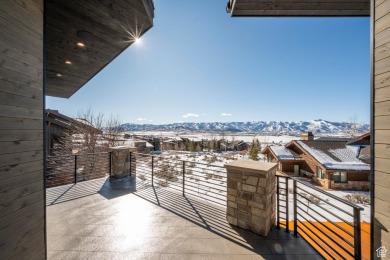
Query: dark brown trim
[372,129]
[45,143]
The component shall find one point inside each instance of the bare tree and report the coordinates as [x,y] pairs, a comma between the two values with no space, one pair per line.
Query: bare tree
[354,126]
[113,131]
[87,136]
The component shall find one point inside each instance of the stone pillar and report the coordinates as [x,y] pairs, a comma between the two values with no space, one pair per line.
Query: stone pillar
[120,161]
[251,195]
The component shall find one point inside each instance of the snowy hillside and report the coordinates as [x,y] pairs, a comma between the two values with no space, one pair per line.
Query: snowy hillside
[316,126]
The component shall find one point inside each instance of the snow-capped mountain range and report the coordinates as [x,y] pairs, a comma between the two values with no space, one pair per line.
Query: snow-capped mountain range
[316,126]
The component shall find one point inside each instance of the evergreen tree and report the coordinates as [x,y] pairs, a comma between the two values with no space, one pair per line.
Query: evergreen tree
[196,147]
[258,145]
[253,152]
[192,146]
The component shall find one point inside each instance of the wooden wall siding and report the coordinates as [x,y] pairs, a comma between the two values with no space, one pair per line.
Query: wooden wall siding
[111,24]
[22,232]
[299,8]
[382,123]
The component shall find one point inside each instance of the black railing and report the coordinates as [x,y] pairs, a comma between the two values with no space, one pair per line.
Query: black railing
[67,169]
[198,179]
[330,224]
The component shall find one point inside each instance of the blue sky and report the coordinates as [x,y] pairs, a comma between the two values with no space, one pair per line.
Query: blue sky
[197,64]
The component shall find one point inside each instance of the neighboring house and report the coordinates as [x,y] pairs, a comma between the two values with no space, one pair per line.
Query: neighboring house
[288,161]
[234,145]
[241,146]
[193,139]
[141,145]
[57,124]
[334,163]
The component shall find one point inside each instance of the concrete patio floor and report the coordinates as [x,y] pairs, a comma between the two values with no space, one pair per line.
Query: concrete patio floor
[120,220]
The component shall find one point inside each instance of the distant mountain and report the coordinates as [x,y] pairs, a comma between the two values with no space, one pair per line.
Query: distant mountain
[316,126]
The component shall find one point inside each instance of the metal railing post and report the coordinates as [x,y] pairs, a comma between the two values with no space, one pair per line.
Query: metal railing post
[357,233]
[278,203]
[287,207]
[110,161]
[152,170]
[295,209]
[184,171]
[75,169]
[130,163]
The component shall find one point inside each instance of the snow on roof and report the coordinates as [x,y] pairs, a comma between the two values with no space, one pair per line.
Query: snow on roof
[282,152]
[192,138]
[335,157]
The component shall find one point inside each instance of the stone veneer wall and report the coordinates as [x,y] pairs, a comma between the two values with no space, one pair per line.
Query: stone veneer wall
[251,195]
[120,161]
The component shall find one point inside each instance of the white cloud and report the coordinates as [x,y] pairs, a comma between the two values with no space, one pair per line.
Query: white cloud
[141,119]
[150,120]
[226,114]
[190,115]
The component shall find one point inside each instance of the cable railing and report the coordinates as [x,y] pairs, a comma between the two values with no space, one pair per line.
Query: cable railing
[328,223]
[198,179]
[67,169]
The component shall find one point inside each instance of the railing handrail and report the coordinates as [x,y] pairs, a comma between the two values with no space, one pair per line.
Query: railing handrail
[76,154]
[323,192]
[180,160]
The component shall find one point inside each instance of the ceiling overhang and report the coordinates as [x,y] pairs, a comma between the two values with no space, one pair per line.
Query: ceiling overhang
[82,37]
[298,7]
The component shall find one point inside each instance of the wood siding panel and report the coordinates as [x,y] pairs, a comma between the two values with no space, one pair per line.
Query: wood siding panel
[382,94]
[20,168]
[382,123]
[382,178]
[382,80]
[382,164]
[381,136]
[382,108]
[22,207]
[382,151]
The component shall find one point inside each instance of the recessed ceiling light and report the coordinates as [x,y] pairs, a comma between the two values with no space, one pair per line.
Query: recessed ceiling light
[80,44]
[68,62]
[59,75]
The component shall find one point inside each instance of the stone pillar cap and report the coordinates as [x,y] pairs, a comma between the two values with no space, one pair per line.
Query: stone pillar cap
[123,148]
[249,165]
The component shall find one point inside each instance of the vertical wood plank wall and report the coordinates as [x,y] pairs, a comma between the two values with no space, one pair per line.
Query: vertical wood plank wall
[382,124]
[22,212]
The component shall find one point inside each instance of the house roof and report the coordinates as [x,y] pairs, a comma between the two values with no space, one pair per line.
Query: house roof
[55,117]
[282,152]
[298,8]
[335,155]
[361,140]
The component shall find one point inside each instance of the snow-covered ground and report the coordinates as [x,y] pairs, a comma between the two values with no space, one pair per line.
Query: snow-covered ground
[206,178]
[264,139]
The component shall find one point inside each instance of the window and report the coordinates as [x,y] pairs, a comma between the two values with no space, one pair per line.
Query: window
[320,173]
[340,177]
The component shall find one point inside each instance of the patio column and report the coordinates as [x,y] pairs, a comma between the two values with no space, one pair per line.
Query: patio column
[251,195]
[120,161]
